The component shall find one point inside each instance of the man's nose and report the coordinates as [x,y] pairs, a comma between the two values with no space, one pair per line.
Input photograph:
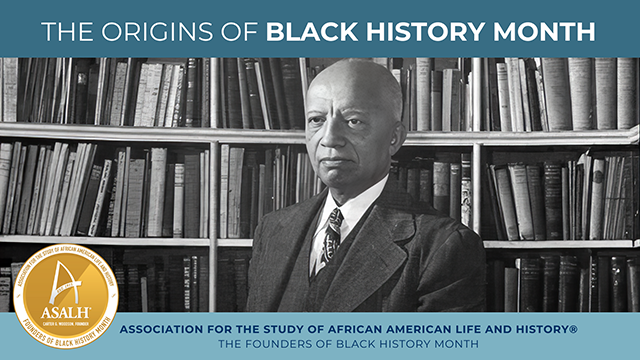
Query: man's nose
[333,133]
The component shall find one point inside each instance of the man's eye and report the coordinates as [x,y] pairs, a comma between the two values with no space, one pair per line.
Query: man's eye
[354,122]
[316,120]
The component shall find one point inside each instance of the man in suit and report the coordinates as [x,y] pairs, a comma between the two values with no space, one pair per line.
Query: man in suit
[362,244]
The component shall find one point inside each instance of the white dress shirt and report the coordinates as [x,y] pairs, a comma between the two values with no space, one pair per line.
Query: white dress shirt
[352,211]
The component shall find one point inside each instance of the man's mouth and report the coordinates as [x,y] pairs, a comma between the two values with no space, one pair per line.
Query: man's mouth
[333,161]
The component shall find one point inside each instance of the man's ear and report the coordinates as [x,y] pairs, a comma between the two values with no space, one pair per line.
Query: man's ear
[398,136]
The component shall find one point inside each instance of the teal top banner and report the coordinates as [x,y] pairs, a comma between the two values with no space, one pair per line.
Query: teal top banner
[328,28]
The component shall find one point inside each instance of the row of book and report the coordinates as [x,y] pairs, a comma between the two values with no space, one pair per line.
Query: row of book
[560,283]
[162,281]
[443,181]
[97,190]
[436,93]
[254,182]
[233,279]
[231,93]
[8,273]
[556,94]
[592,198]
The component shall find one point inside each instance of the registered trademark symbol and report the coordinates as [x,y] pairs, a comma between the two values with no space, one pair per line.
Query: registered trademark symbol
[573,329]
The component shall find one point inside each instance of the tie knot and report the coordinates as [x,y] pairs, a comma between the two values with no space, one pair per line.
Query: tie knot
[335,218]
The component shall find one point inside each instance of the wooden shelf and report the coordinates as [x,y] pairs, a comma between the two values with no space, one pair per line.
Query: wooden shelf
[552,244]
[149,134]
[235,242]
[81,240]
[497,138]
[286,137]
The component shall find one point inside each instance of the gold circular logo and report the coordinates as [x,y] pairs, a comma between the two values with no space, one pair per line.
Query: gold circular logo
[65,296]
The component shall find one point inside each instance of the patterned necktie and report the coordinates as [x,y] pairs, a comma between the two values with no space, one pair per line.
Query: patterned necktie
[332,236]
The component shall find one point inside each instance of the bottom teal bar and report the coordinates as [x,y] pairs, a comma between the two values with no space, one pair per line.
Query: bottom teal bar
[344,336]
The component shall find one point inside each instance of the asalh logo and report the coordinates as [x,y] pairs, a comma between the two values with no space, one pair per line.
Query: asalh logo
[81,304]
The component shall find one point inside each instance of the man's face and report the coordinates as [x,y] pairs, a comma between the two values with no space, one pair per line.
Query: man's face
[349,132]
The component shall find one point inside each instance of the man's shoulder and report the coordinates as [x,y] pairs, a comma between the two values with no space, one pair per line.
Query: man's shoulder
[429,219]
[303,208]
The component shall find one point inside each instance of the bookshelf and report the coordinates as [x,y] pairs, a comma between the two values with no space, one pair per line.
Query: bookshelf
[479,144]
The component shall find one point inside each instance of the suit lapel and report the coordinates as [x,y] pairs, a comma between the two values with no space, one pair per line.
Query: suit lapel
[285,241]
[374,255]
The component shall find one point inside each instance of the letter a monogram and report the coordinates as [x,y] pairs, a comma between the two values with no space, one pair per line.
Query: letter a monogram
[55,292]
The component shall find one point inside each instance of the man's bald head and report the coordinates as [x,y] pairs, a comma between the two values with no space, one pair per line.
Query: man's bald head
[369,78]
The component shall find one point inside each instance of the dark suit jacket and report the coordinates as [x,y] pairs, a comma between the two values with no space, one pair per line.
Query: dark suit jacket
[406,257]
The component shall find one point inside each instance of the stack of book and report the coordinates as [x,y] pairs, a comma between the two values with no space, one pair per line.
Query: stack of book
[555,94]
[250,93]
[162,281]
[233,266]
[443,181]
[561,283]
[9,271]
[591,198]
[436,92]
[254,183]
[93,190]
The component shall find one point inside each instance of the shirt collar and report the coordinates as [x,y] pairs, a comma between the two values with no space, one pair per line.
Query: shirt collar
[354,208]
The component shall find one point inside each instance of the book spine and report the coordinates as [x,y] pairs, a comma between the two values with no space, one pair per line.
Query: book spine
[190,94]
[423,93]
[163,96]
[157,182]
[633,284]
[581,85]
[558,97]
[530,285]
[103,190]
[618,284]
[606,93]
[119,193]
[6,149]
[89,202]
[9,84]
[536,194]
[627,93]
[29,178]
[511,289]
[441,183]
[236,155]
[133,220]
[436,100]
[117,102]
[203,280]
[515,94]
[597,199]
[177,105]
[204,88]
[18,195]
[167,222]
[550,282]
[455,186]
[191,195]
[255,105]
[292,83]
[553,200]
[507,207]
[178,201]
[503,97]
[569,280]
[522,200]
[11,191]
[214,82]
